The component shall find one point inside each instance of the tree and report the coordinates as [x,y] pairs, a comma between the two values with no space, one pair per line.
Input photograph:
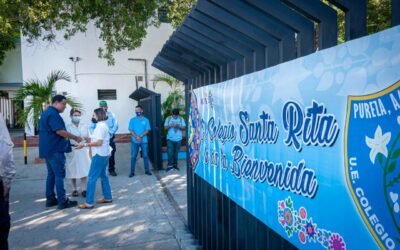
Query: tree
[175,97]
[122,24]
[178,9]
[378,17]
[38,95]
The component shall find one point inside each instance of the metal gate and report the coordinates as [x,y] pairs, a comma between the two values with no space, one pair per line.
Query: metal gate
[151,103]
[7,110]
[224,39]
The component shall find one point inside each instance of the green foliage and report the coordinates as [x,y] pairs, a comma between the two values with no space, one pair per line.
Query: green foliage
[175,98]
[178,9]
[122,24]
[38,95]
[8,32]
[378,15]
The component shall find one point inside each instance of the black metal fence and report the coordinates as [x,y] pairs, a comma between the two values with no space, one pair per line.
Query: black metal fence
[151,104]
[225,39]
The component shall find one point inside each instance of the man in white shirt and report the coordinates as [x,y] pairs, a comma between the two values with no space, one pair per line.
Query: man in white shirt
[7,172]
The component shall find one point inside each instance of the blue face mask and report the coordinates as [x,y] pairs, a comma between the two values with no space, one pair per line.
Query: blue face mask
[138,113]
[76,119]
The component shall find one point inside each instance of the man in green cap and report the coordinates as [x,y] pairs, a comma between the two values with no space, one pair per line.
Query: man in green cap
[113,127]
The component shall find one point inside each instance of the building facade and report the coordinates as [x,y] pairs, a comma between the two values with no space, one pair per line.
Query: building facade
[92,79]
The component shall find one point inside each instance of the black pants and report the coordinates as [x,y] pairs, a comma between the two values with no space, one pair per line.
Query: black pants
[111,161]
[4,218]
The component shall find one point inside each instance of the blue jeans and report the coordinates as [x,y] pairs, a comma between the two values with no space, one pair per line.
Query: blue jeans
[135,150]
[173,150]
[98,168]
[55,177]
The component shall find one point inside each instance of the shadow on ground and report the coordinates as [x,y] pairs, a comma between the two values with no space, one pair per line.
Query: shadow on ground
[141,216]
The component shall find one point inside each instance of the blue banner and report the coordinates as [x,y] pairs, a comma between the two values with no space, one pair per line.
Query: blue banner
[310,147]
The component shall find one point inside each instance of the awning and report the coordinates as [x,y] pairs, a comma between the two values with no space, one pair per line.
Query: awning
[141,93]
[222,39]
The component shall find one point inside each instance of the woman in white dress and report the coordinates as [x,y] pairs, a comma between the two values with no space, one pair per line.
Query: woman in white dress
[78,161]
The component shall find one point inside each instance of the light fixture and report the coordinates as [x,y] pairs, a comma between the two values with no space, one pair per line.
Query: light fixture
[75,60]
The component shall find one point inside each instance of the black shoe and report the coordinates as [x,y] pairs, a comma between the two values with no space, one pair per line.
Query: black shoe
[113,173]
[75,193]
[83,194]
[52,203]
[169,168]
[68,204]
[176,168]
[148,173]
[131,175]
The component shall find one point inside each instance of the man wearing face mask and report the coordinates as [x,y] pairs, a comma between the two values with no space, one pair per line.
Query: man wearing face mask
[139,127]
[174,125]
[53,143]
[113,127]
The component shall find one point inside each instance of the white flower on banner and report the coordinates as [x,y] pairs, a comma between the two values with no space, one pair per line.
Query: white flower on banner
[378,144]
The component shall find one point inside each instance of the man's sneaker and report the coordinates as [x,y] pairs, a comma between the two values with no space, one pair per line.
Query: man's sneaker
[52,203]
[176,168]
[67,204]
[148,173]
[131,175]
[169,168]
[113,173]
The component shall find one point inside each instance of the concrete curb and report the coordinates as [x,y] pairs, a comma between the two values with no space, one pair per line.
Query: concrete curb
[184,237]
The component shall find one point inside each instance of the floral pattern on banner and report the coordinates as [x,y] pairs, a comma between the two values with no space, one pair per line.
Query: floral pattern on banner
[298,222]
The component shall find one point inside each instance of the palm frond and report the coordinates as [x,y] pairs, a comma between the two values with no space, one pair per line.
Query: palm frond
[30,88]
[172,82]
[37,94]
[56,76]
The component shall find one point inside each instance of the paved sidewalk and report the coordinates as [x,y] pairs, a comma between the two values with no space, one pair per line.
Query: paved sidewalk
[142,216]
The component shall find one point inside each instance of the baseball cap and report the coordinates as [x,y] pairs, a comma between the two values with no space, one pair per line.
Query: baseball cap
[103,104]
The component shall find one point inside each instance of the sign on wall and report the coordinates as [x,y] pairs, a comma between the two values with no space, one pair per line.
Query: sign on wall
[310,147]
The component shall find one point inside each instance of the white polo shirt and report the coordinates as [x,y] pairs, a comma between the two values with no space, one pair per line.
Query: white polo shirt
[101,133]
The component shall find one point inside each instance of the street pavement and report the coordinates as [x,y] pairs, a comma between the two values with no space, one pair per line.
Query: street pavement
[148,212]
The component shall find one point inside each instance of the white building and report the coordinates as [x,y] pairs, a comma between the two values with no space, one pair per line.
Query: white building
[10,80]
[92,78]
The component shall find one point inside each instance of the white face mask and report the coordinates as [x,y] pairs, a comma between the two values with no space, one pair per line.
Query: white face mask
[76,119]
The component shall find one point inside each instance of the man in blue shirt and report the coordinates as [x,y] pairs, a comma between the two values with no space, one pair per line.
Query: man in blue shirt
[139,127]
[113,127]
[174,125]
[53,143]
